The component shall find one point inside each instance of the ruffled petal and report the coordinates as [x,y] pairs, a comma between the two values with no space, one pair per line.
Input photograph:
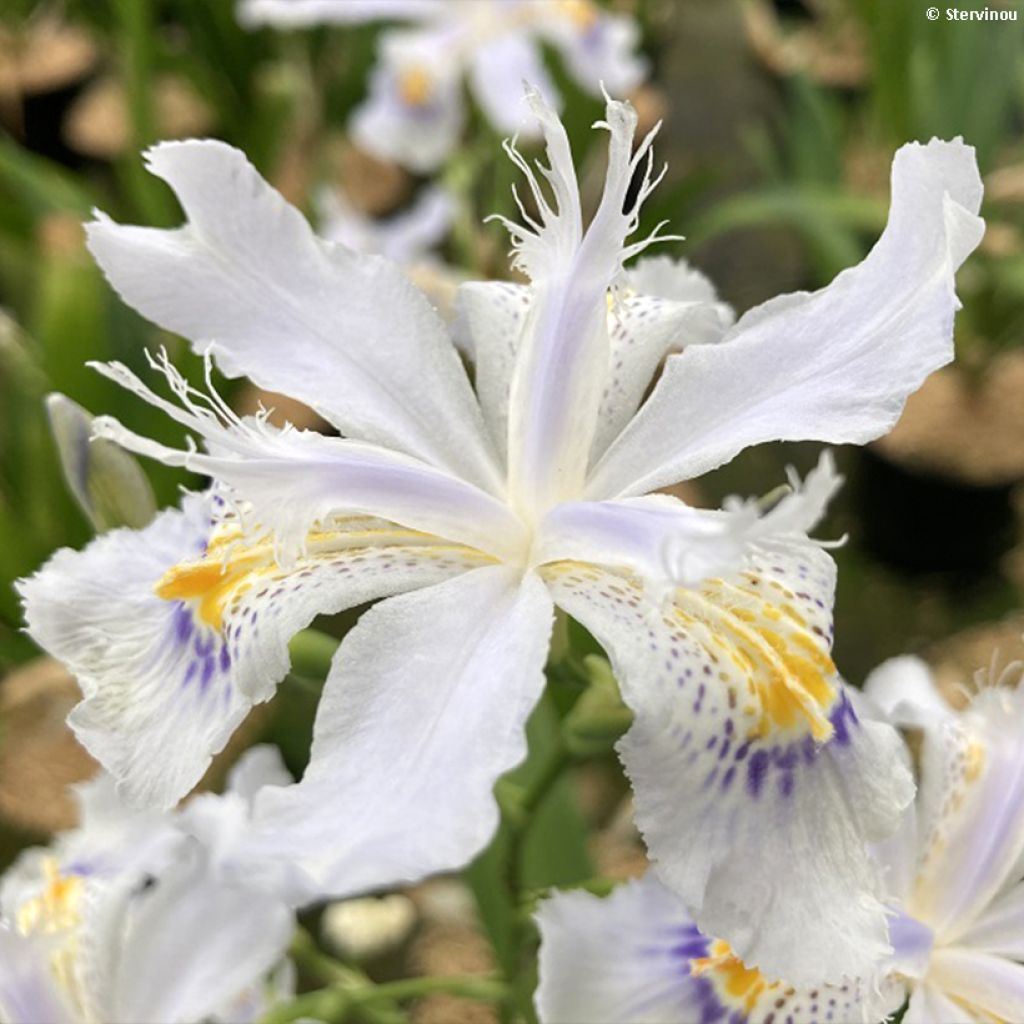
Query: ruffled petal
[669,544]
[286,481]
[414,112]
[424,709]
[636,957]
[247,280]
[757,787]
[173,632]
[836,365]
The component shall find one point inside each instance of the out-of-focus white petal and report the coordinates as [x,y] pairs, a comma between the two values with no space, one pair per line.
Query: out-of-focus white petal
[636,957]
[904,690]
[835,365]
[28,993]
[497,71]
[976,841]
[167,678]
[289,480]
[757,787]
[414,112]
[258,767]
[990,986]
[189,944]
[403,237]
[247,280]
[599,49]
[423,710]
[305,13]
[562,363]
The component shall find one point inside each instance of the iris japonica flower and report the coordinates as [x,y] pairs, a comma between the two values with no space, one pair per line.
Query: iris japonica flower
[414,113]
[955,887]
[474,513]
[956,865]
[143,916]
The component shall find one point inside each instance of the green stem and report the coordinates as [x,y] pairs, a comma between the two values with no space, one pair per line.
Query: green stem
[484,989]
[519,995]
[328,1005]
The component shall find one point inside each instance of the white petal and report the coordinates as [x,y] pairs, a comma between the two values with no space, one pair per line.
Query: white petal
[636,957]
[562,364]
[292,479]
[599,49]
[28,992]
[643,330]
[490,319]
[988,985]
[668,544]
[424,708]
[619,960]
[258,767]
[305,13]
[247,280]
[929,1005]
[414,112]
[497,71]
[1000,928]
[836,365]
[664,277]
[756,786]
[167,679]
[977,840]
[191,943]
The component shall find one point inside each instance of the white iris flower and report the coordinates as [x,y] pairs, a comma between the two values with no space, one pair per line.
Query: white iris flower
[956,866]
[955,879]
[414,113]
[756,784]
[142,916]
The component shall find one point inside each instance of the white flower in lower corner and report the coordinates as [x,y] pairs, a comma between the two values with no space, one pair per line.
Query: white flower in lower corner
[956,867]
[414,113]
[636,957]
[139,918]
[955,888]
[472,510]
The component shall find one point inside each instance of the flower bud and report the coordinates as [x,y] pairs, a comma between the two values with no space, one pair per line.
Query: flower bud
[105,480]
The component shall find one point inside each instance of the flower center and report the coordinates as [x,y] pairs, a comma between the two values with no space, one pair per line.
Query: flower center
[415,86]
